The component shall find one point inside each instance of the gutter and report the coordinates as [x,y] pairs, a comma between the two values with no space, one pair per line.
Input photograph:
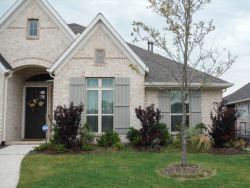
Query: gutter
[8,75]
[238,101]
[193,85]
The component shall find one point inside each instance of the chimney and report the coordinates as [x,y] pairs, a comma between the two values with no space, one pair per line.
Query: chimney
[150,46]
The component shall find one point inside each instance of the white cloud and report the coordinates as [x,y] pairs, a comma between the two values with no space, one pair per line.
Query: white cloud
[231,19]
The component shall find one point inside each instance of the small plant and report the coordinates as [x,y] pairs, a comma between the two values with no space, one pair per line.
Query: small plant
[67,124]
[133,136]
[108,139]
[88,148]
[87,137]
[241,143]
[42,147]
[55,148]
[200,143]
[118,146]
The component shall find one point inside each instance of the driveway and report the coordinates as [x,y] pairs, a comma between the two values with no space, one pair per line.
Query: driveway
[10,161]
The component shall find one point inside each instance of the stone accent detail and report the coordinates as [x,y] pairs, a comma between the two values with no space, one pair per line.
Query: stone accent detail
[207,103]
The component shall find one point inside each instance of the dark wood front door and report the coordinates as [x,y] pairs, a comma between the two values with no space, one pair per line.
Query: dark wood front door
[35,112]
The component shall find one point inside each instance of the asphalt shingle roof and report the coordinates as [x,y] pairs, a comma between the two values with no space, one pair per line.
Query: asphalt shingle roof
[241,94]
[5,63]
[161,68]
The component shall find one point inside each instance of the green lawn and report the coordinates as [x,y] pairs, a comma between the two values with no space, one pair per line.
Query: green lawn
[128,169]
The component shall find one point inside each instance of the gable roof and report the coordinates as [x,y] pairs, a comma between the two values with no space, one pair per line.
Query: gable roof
[82,38]
[44,3]
[241,95]
[4,65]
[159,66]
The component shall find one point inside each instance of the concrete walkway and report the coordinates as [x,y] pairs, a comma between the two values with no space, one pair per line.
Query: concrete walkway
[10,161]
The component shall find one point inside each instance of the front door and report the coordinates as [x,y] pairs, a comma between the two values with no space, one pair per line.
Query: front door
[35,112]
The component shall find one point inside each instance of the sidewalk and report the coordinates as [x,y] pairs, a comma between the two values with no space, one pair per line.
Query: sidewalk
[10,161]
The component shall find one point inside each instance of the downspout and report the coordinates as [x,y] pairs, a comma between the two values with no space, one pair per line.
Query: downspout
[9,75]
[50,120]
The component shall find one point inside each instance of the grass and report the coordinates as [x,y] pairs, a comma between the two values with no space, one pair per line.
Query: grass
[129,169]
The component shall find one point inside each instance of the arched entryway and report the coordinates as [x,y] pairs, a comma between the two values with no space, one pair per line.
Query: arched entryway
[29,103]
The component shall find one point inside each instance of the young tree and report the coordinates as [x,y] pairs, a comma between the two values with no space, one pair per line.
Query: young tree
[183,41]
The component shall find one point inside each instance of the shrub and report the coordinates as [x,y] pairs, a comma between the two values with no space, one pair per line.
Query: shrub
[177,141]
[151,129]
[198,129]
[223,124]
[241,144]
[118,146]
[87,147]
[67,124]
[133,136]
[56,148]
[108,139]
[87,137]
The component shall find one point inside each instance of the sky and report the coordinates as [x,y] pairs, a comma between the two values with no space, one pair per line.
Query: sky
[231,19]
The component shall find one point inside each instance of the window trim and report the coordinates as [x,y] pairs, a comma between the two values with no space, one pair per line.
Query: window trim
[28,36]
[99,89]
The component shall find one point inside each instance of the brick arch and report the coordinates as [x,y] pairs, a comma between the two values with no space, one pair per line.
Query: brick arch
[31,61]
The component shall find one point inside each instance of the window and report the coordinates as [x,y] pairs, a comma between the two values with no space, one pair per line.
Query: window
[33,28]
[176,110]
[100,99]
[100,56]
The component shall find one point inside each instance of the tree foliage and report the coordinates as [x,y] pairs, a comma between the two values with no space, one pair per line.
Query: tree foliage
[182,39]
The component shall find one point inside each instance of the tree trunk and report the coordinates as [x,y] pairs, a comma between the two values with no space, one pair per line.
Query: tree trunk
[183,132]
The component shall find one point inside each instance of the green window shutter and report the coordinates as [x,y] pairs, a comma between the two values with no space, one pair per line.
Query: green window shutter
[164,106]
[78,93]
[195,108]
[122,105]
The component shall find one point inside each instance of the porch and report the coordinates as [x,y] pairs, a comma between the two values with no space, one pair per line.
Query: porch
[28,105]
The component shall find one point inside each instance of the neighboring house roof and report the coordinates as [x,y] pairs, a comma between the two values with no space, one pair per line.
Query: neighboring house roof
[80,40]
[4,65]
[159,66]
[44,3]
[241,95]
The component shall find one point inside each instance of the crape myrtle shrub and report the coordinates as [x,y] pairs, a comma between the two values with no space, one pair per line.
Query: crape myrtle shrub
[67,125]
[152,130]
[222,129]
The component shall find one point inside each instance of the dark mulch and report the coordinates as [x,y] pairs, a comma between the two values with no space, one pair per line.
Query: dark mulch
[186,172]
[227,151]
[182,170]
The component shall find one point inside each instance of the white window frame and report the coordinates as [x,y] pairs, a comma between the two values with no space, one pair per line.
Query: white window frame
[99,89]
[176,114]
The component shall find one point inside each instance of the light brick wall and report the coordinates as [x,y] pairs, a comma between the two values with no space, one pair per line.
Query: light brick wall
[19,51]
[1,102]
[117,65]
[207,103]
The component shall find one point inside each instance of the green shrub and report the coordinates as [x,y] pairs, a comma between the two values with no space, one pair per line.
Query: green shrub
[87,137]
[133,136]
[87,147]
[241,143]
[42,147]
[55,148]
[118,146]
[176,143]
[108,139]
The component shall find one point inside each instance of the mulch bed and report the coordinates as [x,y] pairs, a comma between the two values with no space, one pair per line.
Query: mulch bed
[227,151]
[186,172]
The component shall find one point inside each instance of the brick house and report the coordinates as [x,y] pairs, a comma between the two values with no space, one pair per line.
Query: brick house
[45,62]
